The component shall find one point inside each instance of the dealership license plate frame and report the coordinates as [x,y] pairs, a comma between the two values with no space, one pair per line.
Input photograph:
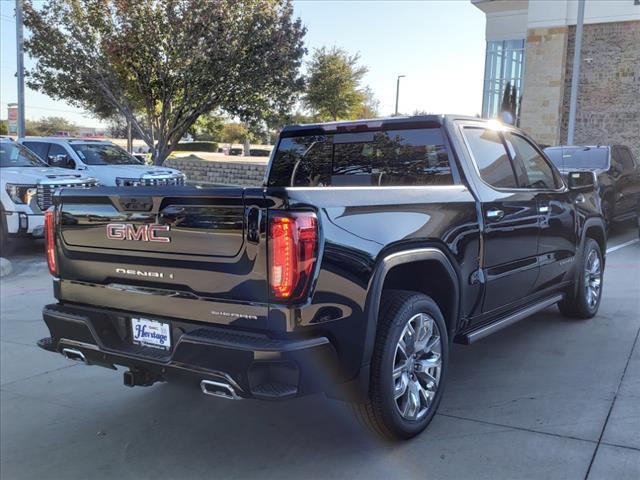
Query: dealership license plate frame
[152,327]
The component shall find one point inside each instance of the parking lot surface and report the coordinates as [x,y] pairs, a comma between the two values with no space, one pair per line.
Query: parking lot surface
[548,397]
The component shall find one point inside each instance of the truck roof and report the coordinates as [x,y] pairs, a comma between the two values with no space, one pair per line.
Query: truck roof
[66,139]
[385,123]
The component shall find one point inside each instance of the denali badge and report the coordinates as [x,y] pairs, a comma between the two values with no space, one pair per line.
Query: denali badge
[143,233]
[143,273]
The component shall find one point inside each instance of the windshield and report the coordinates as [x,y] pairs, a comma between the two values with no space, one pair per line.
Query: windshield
[15,155]
[103,154]
[578,157]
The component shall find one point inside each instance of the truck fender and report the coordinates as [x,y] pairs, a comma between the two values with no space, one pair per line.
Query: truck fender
[597,223]
[375,290]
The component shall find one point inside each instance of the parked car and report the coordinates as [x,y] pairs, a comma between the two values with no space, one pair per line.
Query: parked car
[371,247]
[26,189]
[617,171]
[110,164]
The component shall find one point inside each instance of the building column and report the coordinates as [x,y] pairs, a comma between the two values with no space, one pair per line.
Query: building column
[544,81]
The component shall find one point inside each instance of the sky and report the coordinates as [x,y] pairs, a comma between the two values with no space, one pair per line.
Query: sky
[437,44]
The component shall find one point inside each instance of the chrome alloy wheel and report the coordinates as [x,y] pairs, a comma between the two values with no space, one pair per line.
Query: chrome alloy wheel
[592,278]
[417,366]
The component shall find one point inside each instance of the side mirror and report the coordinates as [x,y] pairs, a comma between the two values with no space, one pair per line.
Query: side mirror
[582,180]
[61,161]
[140,157]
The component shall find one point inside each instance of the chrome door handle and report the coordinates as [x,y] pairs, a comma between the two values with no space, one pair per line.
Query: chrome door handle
[495,214]
[544,209]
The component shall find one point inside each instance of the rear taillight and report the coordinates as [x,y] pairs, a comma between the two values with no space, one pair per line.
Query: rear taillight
[50,240]
[293,239]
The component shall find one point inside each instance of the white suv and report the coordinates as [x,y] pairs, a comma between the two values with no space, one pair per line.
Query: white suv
[110,164]
[26,189]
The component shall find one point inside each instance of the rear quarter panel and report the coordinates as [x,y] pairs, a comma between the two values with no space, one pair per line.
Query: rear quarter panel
[359,227]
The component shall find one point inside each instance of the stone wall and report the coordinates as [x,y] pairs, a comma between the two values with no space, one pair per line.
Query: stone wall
[608,106]
[544,81]
[216,172]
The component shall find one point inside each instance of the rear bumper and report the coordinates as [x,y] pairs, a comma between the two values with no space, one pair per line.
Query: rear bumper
[254,365]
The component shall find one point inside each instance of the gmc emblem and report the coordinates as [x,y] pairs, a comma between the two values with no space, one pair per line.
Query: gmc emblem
[142,233]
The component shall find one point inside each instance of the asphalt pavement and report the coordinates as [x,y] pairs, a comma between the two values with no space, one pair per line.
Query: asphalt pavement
[546,398]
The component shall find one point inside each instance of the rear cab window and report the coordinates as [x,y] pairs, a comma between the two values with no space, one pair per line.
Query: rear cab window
[406,157]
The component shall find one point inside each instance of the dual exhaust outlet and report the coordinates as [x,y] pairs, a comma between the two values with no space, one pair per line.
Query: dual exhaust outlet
[132,378]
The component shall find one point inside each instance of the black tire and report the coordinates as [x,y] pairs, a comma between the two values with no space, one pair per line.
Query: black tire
[381,411]
[578,305]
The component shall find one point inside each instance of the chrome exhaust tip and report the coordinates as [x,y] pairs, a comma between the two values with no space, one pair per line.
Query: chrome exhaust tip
[219,389]
[73,354]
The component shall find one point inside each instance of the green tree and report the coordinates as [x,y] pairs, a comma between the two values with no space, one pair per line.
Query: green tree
[369,107]
[48,126]
[208,127]
[513,101]
[333,85]
[162,64]
[4,127]
[505,106]
[234,133]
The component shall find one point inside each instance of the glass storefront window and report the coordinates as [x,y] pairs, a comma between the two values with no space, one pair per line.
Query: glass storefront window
[504,63]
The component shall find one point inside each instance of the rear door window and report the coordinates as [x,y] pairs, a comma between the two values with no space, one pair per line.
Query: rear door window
[490,156]
[383,158]
[532,168]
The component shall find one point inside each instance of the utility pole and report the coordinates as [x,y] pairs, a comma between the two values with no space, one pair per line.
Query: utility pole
[20,68]
[129,137]
[575,76]
[398,92]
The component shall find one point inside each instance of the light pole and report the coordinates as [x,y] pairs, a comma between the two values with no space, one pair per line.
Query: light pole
[20,69]
[398,92]
[575,76]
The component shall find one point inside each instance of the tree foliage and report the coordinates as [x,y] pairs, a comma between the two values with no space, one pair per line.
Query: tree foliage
[369,106]
[162,64]
[47,126]
[509,101]
[208,127]
[118,128]
[234,133]
[333,89]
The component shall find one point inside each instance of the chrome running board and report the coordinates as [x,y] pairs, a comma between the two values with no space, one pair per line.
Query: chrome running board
[486,330]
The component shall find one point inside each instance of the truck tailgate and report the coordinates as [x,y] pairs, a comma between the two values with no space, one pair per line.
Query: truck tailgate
[194,246]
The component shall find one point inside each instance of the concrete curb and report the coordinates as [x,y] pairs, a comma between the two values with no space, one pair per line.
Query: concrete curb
[5,267]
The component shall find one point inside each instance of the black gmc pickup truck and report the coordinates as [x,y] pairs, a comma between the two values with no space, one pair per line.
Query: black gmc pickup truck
[370,248]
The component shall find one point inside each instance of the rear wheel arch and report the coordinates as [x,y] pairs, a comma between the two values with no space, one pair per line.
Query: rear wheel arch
[398,271]
[593,228]
[596,231]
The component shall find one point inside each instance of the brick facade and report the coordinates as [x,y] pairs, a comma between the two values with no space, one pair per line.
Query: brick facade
[608,107]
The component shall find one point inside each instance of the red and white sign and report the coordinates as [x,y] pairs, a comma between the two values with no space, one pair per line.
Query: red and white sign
[12,115]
